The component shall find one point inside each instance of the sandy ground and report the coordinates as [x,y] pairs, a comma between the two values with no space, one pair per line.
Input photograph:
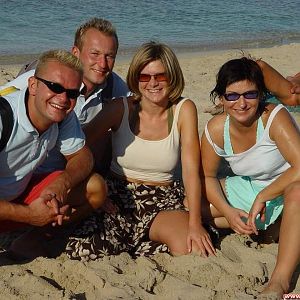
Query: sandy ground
[239,271]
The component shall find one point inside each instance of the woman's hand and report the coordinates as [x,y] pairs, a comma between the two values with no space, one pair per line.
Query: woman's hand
[258,208]
[234,217]
[198,240]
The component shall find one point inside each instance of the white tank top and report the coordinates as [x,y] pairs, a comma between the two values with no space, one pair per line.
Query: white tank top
[145,160]
[263,162]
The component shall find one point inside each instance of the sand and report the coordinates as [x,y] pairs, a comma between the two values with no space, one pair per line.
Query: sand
[240,269]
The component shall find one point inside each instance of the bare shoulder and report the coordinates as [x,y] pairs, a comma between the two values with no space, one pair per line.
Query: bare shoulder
[188,110]
[282,113]
[187,105]
[282,123]
[215,126]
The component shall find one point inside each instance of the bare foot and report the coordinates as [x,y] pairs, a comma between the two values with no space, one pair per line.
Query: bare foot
[269,296]
[274,290]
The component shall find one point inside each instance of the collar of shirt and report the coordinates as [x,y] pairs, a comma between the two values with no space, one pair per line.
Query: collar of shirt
[23,118]
[94,94]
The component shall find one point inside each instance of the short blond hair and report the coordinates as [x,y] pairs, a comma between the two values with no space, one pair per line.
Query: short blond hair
[152,51]
[99,24]
[62,56]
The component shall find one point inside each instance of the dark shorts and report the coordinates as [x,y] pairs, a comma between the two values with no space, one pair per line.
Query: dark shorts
[127,230]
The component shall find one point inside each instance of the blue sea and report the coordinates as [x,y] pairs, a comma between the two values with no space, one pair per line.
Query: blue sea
[32,26]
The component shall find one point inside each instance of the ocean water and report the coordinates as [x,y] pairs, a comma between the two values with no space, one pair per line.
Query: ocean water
[32,26]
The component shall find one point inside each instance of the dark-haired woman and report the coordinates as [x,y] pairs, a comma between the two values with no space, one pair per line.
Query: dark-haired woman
[261,143]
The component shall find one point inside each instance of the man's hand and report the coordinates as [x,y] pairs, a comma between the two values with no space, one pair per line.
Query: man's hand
[57,188]
[40,212]
[295,80]
[62,211]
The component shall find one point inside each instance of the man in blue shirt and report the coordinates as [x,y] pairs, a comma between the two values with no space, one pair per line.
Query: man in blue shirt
[96,45]
[43,119]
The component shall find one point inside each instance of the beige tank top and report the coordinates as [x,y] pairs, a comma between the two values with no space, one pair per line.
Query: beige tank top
[145,160]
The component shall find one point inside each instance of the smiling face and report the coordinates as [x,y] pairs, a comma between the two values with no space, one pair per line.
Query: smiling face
[243,110]
[97,56]
[154,91]
[46,107]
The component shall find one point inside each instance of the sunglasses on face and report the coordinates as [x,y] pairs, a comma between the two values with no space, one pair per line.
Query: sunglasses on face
[236,96]
[158,77]
[59,89]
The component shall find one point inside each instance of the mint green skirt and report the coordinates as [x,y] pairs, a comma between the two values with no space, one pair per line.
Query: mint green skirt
[241,193]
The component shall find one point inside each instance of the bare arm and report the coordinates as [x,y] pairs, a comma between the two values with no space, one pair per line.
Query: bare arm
[190,155]
[279,86]
[211,162]
[13,212]
[215,195]
[287,139]
[38,213]
[108,118]
[45,209]
[79,166]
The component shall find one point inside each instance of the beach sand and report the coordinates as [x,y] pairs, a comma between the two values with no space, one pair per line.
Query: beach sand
[239,271]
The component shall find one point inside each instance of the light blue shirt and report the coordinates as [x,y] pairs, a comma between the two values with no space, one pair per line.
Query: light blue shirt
[27,149]
[85,109]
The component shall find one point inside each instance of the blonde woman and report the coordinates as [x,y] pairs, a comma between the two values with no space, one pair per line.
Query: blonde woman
[152,134]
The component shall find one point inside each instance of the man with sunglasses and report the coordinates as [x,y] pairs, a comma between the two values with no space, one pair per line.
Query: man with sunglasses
[96,45]
[43,119]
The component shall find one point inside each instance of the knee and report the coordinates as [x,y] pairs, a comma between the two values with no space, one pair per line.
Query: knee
[177,243]
[292,194]
[178,247]
[96,190]
[171,228]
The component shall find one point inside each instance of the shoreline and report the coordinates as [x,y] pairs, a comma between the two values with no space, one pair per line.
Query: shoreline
[199,68]
[125,54]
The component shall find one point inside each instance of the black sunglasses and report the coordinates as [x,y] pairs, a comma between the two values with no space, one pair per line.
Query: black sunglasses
[236,96]
[59,89]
